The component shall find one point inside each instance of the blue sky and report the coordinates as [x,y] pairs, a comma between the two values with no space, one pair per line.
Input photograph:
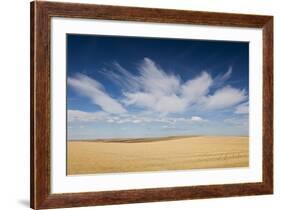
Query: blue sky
[129,87]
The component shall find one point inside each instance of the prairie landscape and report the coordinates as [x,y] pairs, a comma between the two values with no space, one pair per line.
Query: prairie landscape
[156,154]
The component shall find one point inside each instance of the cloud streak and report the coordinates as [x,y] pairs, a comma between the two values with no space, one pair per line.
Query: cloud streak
[153,89]
[156,90]
[93,90]
[81,116]
[77,116]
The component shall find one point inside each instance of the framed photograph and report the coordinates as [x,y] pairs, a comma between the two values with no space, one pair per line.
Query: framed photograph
[136,105]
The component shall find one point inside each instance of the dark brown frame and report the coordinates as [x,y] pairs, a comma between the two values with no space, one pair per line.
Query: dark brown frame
[41,14]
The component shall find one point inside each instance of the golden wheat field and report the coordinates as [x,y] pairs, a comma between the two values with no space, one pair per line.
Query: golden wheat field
[156,154]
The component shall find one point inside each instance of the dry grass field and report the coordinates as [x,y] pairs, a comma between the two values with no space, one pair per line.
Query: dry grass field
[156,154]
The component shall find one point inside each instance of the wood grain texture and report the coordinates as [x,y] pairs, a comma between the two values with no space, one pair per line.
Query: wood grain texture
[41,13]
[268,104]
[32,124]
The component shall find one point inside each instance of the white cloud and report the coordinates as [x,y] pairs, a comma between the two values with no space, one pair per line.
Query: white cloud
[196,119]
[155,90]
[194,89]
[136,121]
[224,97]
[156,102]
[153,79]
[81,116]
[166,93]
[242,108]
[222,78]
[92,89]
[227,74]
[122,77]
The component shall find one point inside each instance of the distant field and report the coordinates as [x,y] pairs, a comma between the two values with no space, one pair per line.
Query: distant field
[156,154]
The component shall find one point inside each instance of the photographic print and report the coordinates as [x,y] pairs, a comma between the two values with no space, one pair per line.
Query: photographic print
[131,105]
[139,104]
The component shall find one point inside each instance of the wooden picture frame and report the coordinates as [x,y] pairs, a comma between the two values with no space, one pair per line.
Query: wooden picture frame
[40,187]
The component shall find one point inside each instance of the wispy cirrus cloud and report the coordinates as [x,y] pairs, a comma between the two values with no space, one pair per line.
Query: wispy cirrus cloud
[153,89]
[163,92]
[193,90]
[93,90]
[156,90]
[121,77]
[220,79]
